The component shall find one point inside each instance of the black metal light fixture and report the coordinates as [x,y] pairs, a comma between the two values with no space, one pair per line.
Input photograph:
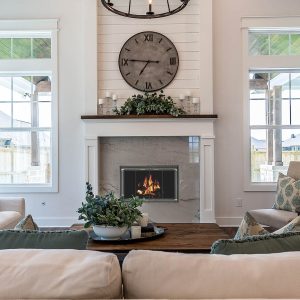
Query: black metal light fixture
[149,9]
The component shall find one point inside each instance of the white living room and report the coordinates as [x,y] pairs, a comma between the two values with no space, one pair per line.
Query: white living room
[149,149]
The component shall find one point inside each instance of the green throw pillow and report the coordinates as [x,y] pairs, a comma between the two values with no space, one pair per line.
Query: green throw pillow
[69,239]
[288,193]
[259,244]
[249,226]
[27,224]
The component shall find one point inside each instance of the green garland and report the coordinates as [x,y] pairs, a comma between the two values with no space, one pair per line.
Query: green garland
[149,104]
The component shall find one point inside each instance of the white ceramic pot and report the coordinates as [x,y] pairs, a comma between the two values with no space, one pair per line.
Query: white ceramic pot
[109,232]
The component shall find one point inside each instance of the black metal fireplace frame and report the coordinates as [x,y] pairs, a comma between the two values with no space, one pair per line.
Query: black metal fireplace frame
[152,168]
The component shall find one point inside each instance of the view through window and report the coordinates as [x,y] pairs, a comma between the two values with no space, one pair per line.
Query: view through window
[25,136]
[274,94]
[28,67]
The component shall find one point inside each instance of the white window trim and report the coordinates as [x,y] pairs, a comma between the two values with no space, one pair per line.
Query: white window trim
[261,62]
[31,66]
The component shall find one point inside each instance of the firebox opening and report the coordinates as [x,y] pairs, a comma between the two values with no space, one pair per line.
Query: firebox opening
[154,183]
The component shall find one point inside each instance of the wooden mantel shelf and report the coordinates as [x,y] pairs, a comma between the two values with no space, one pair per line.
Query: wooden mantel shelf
[114,117]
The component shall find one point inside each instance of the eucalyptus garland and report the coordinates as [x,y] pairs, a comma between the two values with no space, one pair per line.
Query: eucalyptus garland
[149,104]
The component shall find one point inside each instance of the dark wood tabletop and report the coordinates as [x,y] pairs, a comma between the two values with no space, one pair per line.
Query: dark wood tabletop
[178,237]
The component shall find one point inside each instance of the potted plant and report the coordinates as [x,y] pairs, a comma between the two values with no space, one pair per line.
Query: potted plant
[110,216]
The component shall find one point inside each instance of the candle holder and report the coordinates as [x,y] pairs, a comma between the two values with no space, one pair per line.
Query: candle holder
[181,100]
[150,12]
[100,109]
[188,104]
[108,103]
[196,108]
[196,105]
[115,105]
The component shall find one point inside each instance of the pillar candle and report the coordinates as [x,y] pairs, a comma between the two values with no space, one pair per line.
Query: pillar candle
[144,220]
[136,231]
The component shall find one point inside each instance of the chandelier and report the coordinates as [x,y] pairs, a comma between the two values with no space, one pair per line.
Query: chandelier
[118,7]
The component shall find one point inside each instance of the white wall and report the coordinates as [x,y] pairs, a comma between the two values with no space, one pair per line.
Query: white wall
[60,208]
[228,103]
[189,30]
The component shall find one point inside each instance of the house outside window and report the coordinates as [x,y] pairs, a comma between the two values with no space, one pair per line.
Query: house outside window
[28,106]
[271,66]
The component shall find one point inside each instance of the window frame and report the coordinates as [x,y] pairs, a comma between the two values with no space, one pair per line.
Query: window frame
[262,63]
[36,66]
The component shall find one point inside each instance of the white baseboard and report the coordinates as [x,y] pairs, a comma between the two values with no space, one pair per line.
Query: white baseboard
[56,222]
[229,221]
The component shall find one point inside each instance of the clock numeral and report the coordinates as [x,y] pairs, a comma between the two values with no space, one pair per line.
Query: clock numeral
[160,41]
[124,61]
[160,82]
[136,41]
[169,49]
[170,73]
[128,74]
[127,49]
[148,37]
[148,86]
[173,60]
[137,82]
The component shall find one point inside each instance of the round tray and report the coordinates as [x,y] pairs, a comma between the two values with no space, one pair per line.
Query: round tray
[125,238]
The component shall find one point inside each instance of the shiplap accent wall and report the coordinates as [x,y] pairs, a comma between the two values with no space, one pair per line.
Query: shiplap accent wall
[183,29]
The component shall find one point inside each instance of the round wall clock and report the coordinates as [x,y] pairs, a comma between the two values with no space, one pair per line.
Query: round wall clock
[148,61]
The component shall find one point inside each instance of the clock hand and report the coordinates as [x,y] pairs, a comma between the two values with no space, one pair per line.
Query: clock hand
[140,60]
[147,63]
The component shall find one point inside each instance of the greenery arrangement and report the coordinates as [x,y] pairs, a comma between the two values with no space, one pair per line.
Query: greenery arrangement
[108,209]
[149,104]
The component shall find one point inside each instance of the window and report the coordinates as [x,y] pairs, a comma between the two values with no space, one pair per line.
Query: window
[28,106]
[272,99]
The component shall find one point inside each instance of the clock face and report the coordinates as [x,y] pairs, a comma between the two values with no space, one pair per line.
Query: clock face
[148,61]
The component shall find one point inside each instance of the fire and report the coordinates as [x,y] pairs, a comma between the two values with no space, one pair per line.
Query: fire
[149,188]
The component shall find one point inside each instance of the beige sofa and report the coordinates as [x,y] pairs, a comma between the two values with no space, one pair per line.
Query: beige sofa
[59,274]
[75,274]
[12,210]
[153,275]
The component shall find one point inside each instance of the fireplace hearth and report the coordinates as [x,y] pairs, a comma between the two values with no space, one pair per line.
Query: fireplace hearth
[151,183]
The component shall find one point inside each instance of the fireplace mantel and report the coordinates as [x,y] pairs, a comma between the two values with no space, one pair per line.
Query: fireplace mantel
[115,126]
[114,117]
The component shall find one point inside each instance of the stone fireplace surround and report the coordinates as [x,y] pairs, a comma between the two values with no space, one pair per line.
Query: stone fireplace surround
[202,126]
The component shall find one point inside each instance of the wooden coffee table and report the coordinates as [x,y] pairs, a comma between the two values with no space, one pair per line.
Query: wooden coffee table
[185,238]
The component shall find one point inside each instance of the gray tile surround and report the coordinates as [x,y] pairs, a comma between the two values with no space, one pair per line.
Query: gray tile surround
[143,151]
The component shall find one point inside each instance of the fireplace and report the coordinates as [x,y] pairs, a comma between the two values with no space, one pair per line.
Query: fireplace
[186,143]
[151,183]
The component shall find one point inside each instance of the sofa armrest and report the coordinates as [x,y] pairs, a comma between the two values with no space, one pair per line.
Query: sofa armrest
[13,204]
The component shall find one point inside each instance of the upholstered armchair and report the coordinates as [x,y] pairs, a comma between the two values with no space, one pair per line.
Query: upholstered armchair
[276,218]
[12,210]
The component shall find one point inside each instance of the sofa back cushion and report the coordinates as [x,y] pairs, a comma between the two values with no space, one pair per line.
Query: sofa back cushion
[58,274]
[69,239]
[270,243]
[161,275]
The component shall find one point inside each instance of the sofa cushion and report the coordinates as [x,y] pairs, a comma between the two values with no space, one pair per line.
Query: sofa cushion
[248,227]
[294,225]
[273,217]
[13,239]
[59,274]
[269,243]
[288,193]
[27,224]
[162,275]
[9,219]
